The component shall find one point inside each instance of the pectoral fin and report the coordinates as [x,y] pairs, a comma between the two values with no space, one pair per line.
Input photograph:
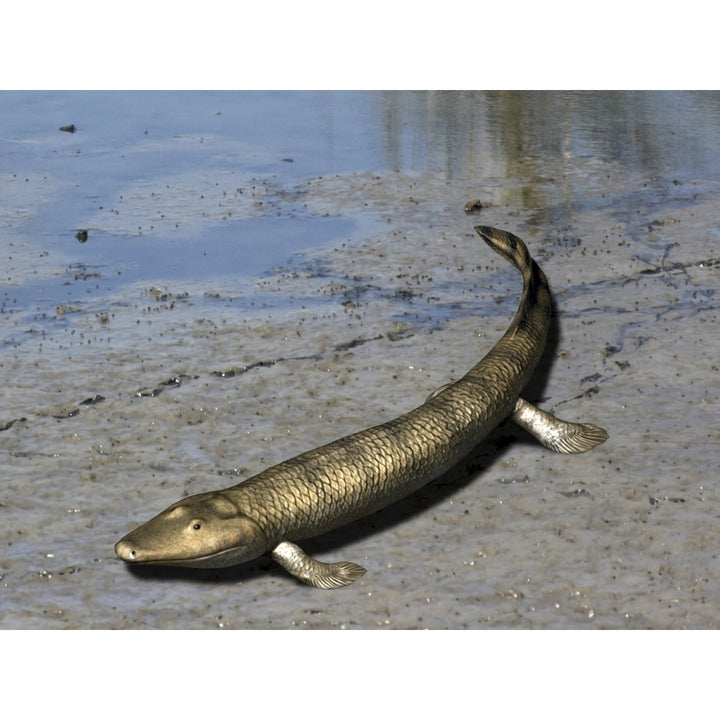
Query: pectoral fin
[313,572]
[558,435]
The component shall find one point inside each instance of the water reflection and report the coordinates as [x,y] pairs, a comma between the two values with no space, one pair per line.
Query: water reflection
[149,171]
[478,135]
[438,130]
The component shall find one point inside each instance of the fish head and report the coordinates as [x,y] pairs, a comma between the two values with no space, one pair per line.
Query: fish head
[206,530]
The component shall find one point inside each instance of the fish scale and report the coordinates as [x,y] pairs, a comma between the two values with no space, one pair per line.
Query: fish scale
[356,475]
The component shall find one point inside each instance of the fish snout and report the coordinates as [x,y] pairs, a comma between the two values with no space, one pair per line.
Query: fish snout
[126,551]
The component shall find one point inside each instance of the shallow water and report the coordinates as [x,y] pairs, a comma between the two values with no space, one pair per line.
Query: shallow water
[313,248]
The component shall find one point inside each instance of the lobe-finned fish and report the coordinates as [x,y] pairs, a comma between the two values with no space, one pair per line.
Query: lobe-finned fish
[356,475]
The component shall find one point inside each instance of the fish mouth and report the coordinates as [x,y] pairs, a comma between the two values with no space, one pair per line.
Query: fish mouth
[130,554]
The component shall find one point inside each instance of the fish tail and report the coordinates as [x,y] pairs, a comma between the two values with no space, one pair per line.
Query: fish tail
[510,246]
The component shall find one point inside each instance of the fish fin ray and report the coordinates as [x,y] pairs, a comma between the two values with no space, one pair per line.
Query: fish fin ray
[313,572]
[558,435]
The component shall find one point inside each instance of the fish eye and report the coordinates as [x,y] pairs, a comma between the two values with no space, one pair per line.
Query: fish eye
[196,526]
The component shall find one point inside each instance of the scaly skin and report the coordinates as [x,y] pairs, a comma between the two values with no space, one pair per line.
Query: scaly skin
[356,475]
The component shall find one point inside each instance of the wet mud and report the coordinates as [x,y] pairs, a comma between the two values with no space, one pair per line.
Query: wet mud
[132,381]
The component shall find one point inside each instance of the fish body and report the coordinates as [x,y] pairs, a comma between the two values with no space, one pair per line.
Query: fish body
[353,476]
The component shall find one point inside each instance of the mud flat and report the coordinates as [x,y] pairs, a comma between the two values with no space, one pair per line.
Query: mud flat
[152,361]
